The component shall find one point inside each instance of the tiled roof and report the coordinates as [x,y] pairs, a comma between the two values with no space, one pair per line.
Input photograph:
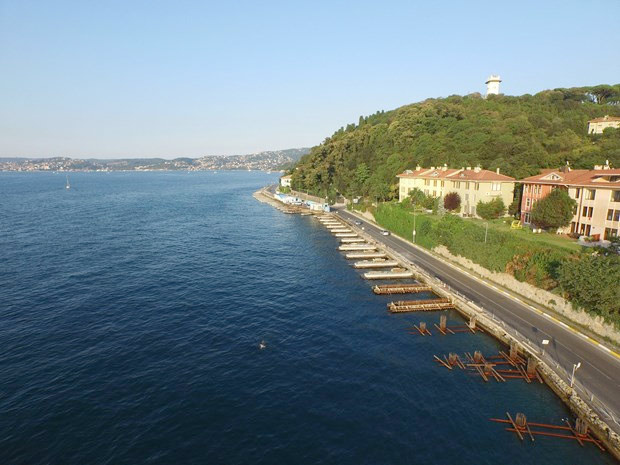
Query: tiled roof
[455,174]
[594,178]
[604,119]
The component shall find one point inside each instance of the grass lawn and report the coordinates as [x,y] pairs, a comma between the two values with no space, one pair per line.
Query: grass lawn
[503,224]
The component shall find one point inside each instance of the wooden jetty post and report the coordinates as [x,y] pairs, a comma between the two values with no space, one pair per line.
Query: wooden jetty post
[472,324]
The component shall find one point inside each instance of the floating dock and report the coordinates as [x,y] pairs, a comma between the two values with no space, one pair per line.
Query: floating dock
[388,274]
[376,264]
[347,247]
[349,234]
[428,305]
[335,226]
[357,255]
[340,230]
[352,240]
[400,288]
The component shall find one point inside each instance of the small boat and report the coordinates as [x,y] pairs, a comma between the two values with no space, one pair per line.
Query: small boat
[67,186]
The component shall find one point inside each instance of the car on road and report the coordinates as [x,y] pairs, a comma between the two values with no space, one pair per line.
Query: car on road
[358,222]
[385,233]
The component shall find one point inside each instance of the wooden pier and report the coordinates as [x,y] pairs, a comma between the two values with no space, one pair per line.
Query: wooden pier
[349,234]
[358,255]
[358,247]
[428,305]
[352,240]
[388,274]
[400,288]
[376,264]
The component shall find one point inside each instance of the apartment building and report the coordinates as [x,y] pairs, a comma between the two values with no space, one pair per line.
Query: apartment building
[472,185]
[597,193]
[598,125]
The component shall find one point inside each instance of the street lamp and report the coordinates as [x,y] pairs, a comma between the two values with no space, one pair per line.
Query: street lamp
[414,205]
[572,377]
[486,231]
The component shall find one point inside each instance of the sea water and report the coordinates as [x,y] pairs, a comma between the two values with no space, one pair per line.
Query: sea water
[132,307]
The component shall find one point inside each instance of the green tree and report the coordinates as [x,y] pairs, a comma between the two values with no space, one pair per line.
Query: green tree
[554,211]
[452,201]
[362,174]
[592,283]
[417,196]
[491,209]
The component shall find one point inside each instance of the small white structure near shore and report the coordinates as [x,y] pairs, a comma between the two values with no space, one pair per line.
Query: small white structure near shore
[285,181]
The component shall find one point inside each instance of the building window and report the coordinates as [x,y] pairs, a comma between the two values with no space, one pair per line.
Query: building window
[584,212]
[610,233]
[528,203]
[456,184]
[616,215]
[496,186]
[590,211]
[525,188]
[427,182]
[467,185]
[590,194]
[434,183]
[526,218]
[441,183]
[476,186]
[610,215]
[615,196]
[577,192]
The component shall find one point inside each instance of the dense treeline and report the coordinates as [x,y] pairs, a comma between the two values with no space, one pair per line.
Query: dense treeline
[519,135]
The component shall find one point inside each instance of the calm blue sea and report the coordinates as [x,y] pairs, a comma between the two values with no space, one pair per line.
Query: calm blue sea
[131,309]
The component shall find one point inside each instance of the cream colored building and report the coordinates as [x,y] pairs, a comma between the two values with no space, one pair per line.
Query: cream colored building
[598,125]
[285,181]
[472,185]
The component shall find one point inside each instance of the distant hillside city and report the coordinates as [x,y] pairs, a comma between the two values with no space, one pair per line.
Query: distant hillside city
[265,161]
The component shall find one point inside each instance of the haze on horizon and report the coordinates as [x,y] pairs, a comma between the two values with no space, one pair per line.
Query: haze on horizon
[169,79]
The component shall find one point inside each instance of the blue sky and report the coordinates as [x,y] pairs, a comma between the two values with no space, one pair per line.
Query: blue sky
[190,78]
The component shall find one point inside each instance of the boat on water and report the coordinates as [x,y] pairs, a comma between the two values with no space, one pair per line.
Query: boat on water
[67,185]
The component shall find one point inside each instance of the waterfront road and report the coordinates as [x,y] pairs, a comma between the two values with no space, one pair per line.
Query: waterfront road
[599,372]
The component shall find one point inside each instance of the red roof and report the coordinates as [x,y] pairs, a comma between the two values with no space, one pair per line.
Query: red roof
[456,174]
[593,178]
[604,118]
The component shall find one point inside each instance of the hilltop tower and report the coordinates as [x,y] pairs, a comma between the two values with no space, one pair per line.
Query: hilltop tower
[493,84]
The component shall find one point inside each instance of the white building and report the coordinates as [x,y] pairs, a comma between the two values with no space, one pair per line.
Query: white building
[493,84]
[285,181]
[598,125]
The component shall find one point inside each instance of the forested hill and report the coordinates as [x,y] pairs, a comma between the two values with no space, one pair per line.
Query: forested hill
[519,135]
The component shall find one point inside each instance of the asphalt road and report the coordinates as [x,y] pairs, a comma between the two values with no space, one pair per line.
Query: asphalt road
[599,372]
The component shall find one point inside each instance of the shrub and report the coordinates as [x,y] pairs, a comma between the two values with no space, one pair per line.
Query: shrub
[452,201]
[492,209]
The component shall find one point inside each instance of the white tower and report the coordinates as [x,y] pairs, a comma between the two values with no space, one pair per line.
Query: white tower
[493,84]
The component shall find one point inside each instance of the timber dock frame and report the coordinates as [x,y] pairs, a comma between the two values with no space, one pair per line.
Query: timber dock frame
[401,288]
[429,305]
